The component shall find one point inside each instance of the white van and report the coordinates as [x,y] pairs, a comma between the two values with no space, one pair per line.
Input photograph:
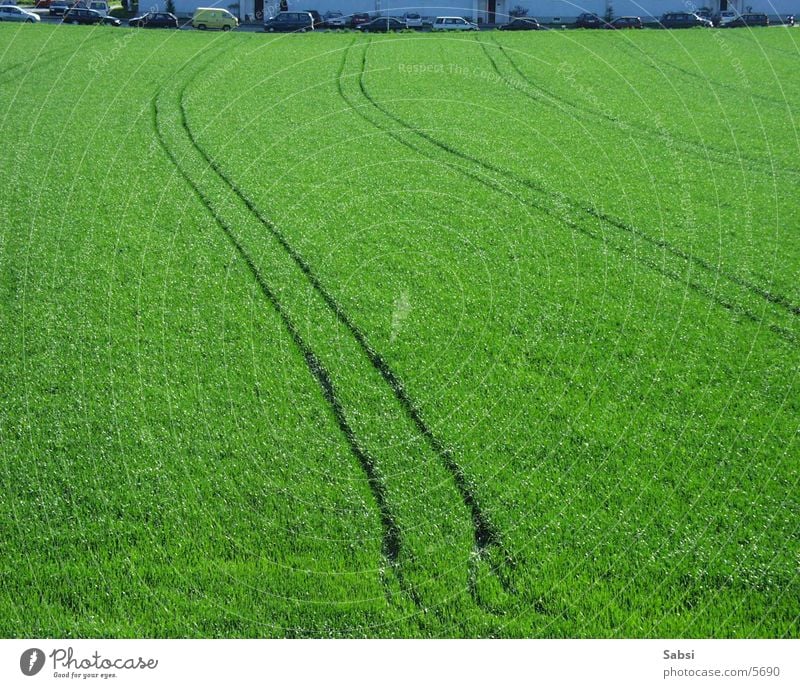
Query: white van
[100,6]
[213,18]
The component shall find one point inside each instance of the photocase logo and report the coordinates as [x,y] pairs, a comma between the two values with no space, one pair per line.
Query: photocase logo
[31,661]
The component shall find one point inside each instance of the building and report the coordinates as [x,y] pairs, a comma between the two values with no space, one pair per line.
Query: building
[485,11]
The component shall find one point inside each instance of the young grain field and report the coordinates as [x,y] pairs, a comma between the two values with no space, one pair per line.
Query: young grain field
[413,335]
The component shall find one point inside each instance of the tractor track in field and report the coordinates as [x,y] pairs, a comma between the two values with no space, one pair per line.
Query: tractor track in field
[649,61]
[776,299]
[494,172]
[485,535]
[700,149]
[52,56]
[391,538]
[739,36]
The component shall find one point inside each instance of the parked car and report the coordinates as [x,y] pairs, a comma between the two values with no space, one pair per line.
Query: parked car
[625,23]
[453,24]
[58,7]
[748,20]
[789,20]
[12,13]
[100,6]
[587,20]
[413,20]
[359,18]
[288,22]
[79,15]
[683,20]
[334,20]
[382,25]
[522,24]
[154,20]
[213,18]
[724,18]
[319,23]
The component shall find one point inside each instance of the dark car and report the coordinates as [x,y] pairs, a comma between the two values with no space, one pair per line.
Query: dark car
[683,20]
[58,7]
[382,25]
[81,16]
[748,20]
[358,19]
[522,24]
[155,20]
[587,20]
[625,23]
[319,22]
[289,22]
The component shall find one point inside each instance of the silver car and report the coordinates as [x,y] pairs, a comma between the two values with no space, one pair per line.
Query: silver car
[453,24]
[413,20]
[335,20]
[17,14]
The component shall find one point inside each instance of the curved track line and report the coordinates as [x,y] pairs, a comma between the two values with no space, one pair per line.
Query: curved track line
[777,299]
[691,146]
[748,38]
[649,61]
[37,63]
[391,540]
[785,333]
[485,535]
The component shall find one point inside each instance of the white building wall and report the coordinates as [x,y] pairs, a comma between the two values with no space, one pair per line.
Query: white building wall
[543,9]
[548,9]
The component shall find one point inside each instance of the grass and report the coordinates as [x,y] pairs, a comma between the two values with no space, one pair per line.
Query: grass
[414,335]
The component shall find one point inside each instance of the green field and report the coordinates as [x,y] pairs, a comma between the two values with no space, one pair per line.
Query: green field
[414,335]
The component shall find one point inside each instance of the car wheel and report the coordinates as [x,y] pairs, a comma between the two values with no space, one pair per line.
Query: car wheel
[30,21]
[201,27]
[226,28]
[140,25]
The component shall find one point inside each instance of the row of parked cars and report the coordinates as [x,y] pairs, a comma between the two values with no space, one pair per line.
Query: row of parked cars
[310,20]
[98,12]
[681,20]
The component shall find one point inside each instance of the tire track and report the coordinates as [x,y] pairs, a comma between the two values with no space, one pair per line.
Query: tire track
[38,63]
[700,149]
[776,299]
[485,535]
[391,539]
[580,209]
[747,38]
[399,548]
[648,61]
